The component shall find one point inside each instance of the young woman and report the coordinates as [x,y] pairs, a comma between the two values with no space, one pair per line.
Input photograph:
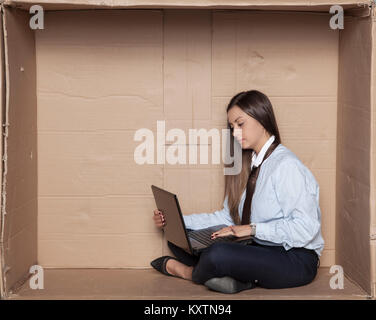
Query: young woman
[275,198]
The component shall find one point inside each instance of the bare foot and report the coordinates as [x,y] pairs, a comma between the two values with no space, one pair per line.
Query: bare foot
[179,269]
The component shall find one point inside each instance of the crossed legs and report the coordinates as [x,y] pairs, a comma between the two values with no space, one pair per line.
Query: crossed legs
[268,266]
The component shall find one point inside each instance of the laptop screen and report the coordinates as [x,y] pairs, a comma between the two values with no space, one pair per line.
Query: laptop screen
[174,229]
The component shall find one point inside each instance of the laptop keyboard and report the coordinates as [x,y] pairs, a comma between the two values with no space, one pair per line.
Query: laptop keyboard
[203,236]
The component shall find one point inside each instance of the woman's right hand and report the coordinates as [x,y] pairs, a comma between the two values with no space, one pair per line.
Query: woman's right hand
[159,218]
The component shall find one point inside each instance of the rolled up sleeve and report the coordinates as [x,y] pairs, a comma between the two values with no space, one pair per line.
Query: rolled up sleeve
[197,221]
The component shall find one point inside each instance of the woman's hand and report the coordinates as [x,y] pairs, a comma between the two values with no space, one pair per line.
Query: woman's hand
[159,218]
[237,231]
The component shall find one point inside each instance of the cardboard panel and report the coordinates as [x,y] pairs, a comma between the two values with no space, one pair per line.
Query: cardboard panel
[56,117]
[187,62]
[93,164]
[301,119]
[125,250]
[86,163]
[2,106]
[120,284]
[20,148]
[96,88]
[102,215]
[263,55]
[373,159]
[353,152]
[94,78]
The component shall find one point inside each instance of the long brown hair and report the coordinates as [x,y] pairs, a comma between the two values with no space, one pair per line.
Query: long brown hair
[258,106]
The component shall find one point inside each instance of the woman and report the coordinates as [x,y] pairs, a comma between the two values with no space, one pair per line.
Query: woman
[275,199]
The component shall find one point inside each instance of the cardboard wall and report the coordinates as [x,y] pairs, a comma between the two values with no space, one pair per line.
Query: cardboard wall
[373,157]
[354,150]
[181,66]
[20,205]
[97,86]
[2,104]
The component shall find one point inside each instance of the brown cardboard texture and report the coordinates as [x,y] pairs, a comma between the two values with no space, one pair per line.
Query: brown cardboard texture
[299,5]
[19,201]
[2,102]
[354,163]
[74,93]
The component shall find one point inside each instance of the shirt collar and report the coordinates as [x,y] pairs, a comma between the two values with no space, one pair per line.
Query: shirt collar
[257,159]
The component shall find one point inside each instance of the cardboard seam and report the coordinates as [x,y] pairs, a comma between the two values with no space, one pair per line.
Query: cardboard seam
[4,158]
[356,283]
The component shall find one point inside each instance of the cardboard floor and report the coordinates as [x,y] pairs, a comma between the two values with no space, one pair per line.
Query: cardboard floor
[150,284]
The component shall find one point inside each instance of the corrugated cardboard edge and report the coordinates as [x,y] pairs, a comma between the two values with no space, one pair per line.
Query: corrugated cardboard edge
[2,88]
[3,94]
[19,236]
[373,157]
[297,5]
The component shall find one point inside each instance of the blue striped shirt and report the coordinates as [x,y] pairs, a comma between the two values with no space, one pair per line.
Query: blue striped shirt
[285,204]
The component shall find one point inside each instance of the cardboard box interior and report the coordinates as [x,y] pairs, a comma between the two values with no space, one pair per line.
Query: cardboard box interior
[74,93]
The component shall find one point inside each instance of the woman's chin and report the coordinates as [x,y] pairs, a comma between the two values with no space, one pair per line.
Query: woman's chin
[245,145]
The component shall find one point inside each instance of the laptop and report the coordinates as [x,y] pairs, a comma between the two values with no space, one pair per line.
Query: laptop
[191,241]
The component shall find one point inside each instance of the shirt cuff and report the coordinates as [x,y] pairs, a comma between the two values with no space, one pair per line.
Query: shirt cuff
[186,221]
[263,231]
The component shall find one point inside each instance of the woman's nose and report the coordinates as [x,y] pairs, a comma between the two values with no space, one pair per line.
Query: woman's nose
[237,133]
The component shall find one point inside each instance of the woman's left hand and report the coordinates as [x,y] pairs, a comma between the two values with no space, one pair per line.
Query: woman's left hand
[237,231]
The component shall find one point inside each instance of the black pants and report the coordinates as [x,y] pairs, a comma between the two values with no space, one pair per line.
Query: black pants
[266,266]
